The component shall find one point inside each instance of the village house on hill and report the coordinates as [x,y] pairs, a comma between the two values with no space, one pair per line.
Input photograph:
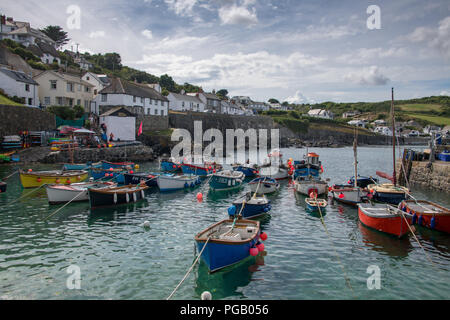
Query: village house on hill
[46,52]
[21,32]
[64,89]
[185,102]
[320,113]
[99,81]
[140,98]
[211,101]
[19,84]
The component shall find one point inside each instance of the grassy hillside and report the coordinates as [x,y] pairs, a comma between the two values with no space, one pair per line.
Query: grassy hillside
[5,100]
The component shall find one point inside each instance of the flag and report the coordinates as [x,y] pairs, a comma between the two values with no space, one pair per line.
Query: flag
[140,129]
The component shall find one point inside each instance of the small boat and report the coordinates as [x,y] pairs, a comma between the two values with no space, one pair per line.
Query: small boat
[311,166]
[428,214]
[247,169]
[385,218]
[150,179]
[202,171]
[387,193]
[117,195]
[3,186]
[348,194]
[277,173]
[443,156]
[255,206]
[169,165]
[305,185]
[32,179]
[60,193]
[118,165]
[109,174]
[229,242]
[81,166]
[172,182]
[264,185]
[226,180]
[362,182]
[314,204]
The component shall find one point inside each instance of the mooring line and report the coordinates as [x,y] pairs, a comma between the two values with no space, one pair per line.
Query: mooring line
[26,194]
[190,269]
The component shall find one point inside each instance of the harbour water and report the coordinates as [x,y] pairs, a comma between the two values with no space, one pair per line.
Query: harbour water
[119,259]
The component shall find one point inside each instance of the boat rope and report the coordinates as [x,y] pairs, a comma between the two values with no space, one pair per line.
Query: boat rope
[402,165]
[190,269]
[347,280]
[414,235]
[55,212]
[10,175]
[26,194]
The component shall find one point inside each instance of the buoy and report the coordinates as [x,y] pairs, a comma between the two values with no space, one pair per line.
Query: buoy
[254,252]
[263,236]
[200,196]
[111,169]
[136,166]
[68,181]
[341,196]
[433,223]
[38,179]
[232,210]
[57,181]
[174,166]
[78,178]
[106,174]
[134,197]
[131,171]
[146,224]
[206,295]
[260,247]
[30,170]
[127,197]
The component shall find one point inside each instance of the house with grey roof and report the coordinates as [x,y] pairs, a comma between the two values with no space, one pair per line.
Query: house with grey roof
[46,52]
[184,102]
[320,113]
[21,32]
[142,98]
[211,101]
[99,81]
[19,84]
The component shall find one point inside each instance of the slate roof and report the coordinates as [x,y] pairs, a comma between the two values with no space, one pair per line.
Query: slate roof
[119,86]
[116,110]
[185,97]
[211,96]
[18,76]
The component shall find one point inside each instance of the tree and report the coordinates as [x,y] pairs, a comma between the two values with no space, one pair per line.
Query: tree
[57,34]
[222,93]
[166,81]
[272,100]
[112,61]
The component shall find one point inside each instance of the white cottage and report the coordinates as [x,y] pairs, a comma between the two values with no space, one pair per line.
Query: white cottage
[184,102]
[19,84]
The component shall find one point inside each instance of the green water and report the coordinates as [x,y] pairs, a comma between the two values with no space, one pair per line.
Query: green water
[119,259]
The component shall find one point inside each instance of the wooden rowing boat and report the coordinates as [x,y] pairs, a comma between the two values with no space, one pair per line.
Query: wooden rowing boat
[115,196]
[33,179]
[428,214]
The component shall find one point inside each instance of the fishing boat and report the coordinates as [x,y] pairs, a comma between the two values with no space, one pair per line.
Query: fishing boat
[385,218]
[229,242]
[264,185]
[274,167]
[352,193]
[173,182]
[387,193]
[170,165]
[81,166]
[310,166]
[428,214]
[117,195]
[76,192]
[32,179]
[314,204]
[248,170]
[109,174]
[250,206]
[226,180]
[3,186]
[306,185]
[200,170]
[150,179]
[118,165]
[362,181]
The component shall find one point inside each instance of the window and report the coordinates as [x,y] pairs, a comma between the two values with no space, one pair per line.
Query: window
[162,112]
[104,97]
[86,104]
[79,87]
[47,101]
[182,104]
[27,87]
[87,89]
[156,112]
[87,78]
[134,98]
[79,102]
[70,87]
[151,101]
[142,100]
[53,84]
[30,101]
[59,101]
[95,92]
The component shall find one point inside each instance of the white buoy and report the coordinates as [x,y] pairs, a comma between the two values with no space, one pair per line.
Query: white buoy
[146,224]
[206,295]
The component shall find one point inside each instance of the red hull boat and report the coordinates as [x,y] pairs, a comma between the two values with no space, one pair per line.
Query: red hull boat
[427,214]
[384,218]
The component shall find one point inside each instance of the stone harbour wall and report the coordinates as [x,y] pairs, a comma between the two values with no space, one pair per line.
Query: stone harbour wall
[436,177]
[14,119]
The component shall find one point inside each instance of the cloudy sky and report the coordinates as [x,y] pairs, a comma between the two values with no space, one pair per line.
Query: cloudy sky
[294,50]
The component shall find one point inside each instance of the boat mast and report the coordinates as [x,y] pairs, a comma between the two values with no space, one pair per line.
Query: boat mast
[355,145]
[393,137]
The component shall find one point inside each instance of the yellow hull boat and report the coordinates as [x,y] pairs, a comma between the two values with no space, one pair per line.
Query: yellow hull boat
[39,178]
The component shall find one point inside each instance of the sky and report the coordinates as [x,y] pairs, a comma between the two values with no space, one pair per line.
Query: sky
[300,51]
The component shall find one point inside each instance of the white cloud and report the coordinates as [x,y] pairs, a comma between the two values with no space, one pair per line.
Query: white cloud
[437,38]
[147,33]
[181,7]
[445,93]
[97,34]
[368,76]
[299,98]
[238,15]
[365,55]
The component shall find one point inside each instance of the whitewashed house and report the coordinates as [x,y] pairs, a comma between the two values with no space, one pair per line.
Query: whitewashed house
[99,81]
[21,32]
[139,96]
[350,114]
[46,52]
[184,102]
[19,84]
[358,123]
[258,106]
[211,101]
[320,113]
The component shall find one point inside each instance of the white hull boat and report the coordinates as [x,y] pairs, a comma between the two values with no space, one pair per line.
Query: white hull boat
[60,193]
[276,173]
[172,182]
[348,194]
[264,185]
[307,186]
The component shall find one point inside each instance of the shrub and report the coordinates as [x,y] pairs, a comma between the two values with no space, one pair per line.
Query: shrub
[65,113]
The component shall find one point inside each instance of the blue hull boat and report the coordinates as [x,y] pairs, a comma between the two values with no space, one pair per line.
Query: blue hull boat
[170,166]
[254,206]
[227,245]
[247,171]
[226,180]
[136,178]
[117,175]
[117,165]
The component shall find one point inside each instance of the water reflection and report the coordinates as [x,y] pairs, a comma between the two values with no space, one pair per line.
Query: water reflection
[381,242]
[227,282]
[110,213]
